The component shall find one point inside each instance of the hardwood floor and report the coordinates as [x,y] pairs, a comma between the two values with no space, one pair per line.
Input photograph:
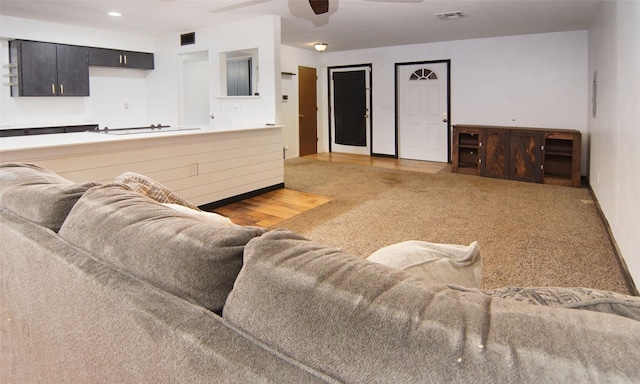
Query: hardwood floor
[381,162]
[273,207]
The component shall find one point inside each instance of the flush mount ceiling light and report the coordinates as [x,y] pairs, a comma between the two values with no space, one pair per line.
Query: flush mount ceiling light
[450,15]
[320,47]
[114,14]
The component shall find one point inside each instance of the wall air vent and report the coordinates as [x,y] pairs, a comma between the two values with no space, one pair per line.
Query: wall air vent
[188,38]
[450,15]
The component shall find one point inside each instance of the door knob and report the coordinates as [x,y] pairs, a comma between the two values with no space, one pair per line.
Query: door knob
[366,116]
[445,120]
[301,116]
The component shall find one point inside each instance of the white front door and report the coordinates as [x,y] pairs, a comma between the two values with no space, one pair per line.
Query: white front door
[422,112]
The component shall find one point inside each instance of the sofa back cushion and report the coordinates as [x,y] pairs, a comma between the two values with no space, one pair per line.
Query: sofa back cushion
[190,258]
[364,322]
[37,194]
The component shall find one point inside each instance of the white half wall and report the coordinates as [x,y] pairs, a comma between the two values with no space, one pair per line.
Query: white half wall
[614,133]
[529,81]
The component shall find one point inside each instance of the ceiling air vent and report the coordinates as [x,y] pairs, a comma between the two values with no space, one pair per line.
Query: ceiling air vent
[450,15]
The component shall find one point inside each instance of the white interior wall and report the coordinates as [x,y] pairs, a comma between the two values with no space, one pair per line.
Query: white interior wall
[530,81]
[614,52]
[291,59]
[163,93]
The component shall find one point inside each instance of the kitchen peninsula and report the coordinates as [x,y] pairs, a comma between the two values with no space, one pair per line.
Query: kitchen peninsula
[203,165]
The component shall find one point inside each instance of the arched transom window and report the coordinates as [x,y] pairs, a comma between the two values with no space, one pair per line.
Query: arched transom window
[423,74]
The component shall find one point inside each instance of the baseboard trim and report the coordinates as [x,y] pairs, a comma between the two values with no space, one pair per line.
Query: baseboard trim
[384,155]
[616,250]
[234,199]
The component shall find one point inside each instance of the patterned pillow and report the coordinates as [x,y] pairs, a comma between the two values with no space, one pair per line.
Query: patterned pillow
[577,298]
[149,187]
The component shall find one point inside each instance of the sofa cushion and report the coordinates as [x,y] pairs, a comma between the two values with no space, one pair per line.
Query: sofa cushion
[187,257]
[575,298]
[37,194]
[444,263]
[364,322]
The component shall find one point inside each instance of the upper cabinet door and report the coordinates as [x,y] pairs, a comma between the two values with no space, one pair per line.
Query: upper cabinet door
[36,68]
[73,71]
[141,60]
[103,57]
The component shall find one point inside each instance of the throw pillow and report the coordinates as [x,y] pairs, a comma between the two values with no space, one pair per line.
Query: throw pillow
[210,217]
[37,194]
[149,187]
[442,263]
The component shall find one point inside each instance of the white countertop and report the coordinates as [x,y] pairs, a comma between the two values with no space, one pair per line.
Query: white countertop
[17,143]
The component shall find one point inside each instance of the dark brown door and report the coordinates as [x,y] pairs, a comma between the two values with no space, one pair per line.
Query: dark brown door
[308,111]
[495,162]
[526,156]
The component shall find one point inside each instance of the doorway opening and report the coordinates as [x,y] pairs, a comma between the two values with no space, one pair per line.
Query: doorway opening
[193,89]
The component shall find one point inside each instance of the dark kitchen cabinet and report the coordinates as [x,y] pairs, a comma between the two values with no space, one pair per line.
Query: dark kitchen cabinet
[47,69]
[526,154]
[103,57]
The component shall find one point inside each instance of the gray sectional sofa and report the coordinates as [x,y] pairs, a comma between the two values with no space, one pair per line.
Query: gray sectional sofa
[104,284]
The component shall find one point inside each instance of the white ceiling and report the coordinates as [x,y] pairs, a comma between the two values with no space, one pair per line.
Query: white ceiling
[350,24]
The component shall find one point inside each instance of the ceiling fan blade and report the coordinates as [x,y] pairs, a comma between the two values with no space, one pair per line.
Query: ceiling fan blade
[319,6]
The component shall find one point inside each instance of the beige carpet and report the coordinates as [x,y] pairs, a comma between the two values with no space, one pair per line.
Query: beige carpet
[529,234]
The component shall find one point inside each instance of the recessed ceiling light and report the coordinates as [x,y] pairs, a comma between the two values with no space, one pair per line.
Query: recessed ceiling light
[450,15]
[114,14]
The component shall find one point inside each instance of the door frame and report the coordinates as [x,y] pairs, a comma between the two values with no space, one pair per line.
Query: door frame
[330,103]
[397,102]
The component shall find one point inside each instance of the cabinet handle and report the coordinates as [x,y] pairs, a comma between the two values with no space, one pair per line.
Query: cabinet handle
[125,59]
[120,59]
[61,89]
[53,89]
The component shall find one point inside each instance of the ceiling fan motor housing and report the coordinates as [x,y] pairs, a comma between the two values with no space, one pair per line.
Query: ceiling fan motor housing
[319,6]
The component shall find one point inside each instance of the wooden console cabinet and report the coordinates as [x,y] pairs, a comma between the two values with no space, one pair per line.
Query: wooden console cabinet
[526,154]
